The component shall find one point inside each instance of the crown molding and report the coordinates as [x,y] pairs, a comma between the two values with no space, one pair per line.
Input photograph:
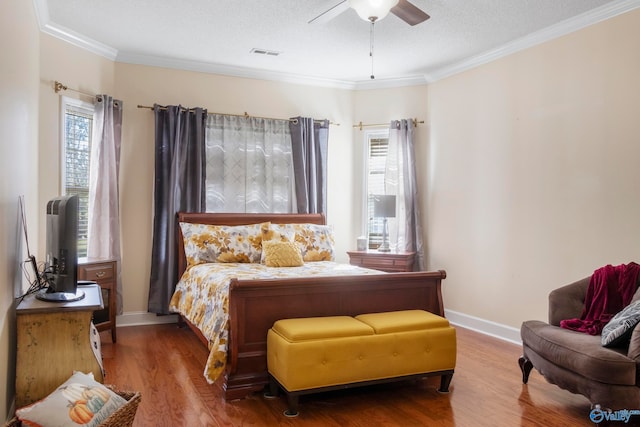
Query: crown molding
[80,41]
[391,82]
[227,70]
[68,35]
[547,34]
[251,73]
[42,12]
[565,27]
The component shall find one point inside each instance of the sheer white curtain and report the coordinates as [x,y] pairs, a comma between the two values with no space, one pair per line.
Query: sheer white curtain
[249,165]
[400,179]
[103,238]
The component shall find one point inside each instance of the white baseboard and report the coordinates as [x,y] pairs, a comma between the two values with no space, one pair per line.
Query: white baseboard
[137,318]
[487,327]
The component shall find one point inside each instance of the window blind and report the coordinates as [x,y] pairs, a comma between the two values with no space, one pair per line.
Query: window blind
[78,124]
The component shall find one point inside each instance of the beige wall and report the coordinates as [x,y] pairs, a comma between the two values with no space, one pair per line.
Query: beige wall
[18,171]
[533,179]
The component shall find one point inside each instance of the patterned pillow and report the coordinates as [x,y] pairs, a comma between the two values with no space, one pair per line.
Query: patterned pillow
[222,243]
[316,241]
[78,401]
[619,329]
[281,254]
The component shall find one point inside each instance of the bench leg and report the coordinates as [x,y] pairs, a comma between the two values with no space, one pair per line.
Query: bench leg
[292,399]
[273,391]
[445,381]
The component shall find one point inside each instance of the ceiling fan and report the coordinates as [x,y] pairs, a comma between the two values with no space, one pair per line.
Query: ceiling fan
[375,10]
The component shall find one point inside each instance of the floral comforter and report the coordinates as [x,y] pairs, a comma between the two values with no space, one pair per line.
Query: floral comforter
[202,297]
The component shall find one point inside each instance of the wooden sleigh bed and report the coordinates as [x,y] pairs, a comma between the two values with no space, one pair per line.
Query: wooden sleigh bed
[254,305]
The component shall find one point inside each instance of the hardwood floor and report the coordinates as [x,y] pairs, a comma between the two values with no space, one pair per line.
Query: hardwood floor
[165,364]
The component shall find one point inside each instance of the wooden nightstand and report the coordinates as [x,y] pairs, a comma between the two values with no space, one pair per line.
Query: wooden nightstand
[53,340]
[103,272]
[391,262]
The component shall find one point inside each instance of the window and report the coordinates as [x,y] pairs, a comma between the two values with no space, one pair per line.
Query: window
[249,165]
[77,122]
[377,143]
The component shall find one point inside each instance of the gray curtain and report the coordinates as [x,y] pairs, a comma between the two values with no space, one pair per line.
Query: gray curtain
[103,238]
[400,179]
[179,186]
[309,146]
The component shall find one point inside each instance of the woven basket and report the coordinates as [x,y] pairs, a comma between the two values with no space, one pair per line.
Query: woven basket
[123,417]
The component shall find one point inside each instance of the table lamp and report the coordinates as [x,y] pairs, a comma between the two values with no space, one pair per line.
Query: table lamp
[384,206]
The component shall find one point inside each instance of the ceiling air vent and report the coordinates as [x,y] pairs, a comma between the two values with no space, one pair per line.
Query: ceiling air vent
[265,52]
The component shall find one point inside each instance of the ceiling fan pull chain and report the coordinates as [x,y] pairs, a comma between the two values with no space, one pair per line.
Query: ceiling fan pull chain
[373,21]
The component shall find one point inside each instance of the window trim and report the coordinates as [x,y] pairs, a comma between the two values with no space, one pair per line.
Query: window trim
[368,135]
[84,108]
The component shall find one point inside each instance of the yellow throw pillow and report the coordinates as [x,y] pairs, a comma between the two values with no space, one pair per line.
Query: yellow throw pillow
[281,254]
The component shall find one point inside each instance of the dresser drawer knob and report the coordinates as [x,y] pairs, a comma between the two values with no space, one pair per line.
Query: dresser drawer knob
[100,274]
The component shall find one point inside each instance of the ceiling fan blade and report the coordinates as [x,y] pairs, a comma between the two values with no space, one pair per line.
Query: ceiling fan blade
[409,13]
[331,13]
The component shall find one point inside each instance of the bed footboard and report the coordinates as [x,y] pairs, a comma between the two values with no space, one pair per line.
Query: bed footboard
[254,305]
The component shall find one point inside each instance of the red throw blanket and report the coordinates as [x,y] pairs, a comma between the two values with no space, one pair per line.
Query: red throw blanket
[610,290]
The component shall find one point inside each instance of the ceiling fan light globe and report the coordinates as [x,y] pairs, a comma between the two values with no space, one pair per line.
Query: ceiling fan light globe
[376,9]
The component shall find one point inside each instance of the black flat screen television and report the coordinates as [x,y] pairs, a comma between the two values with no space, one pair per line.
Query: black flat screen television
[61,265]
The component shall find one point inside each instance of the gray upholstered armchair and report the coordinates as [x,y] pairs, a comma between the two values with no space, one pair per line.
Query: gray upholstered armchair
[578,362]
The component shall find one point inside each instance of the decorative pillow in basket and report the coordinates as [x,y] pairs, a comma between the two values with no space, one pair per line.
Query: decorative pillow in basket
[80,401]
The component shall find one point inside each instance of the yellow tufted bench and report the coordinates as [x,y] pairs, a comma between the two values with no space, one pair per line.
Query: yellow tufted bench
[315,354]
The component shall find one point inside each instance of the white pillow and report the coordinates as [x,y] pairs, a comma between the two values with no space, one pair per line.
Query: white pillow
[78,401]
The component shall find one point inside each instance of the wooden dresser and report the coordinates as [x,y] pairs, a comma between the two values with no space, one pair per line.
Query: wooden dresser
[102,271]
[392,262]
[53,340]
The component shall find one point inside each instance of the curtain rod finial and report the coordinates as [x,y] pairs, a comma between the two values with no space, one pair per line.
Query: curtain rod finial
[57,86]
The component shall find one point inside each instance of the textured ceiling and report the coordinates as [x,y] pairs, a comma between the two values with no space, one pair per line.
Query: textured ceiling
[218,35]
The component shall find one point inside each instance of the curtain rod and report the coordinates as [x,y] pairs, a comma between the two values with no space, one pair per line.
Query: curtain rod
[361,125]
[57,87]
[162,107]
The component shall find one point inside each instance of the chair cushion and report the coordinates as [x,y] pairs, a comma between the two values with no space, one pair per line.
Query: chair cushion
[580,353]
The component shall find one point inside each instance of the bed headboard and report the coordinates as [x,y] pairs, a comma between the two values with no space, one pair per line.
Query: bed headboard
[236,219]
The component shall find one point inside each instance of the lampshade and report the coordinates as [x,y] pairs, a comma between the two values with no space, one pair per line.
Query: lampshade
[384,206]
[368,9]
